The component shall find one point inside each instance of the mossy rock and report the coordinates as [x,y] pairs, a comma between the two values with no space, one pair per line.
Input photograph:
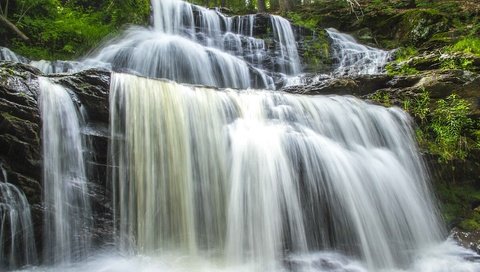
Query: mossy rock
[419,25]
[315,53]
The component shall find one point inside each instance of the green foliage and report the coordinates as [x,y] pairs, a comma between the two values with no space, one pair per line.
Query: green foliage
[70,34]
[67,29]
[316,53]
[450,125]
[394,69]
[459,62]
[306,22]
[469,45]
[383,98]
[419,107]
[404,53]
[400,66]
[472,223]
[444,129]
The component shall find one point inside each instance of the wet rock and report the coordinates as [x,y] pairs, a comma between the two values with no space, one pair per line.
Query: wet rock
[467,239]
[20,130]
[91,87]
[20,127]
[356,85]
[20,137]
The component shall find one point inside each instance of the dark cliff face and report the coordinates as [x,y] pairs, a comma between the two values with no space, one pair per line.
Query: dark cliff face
[20,143]
[20,121]
[20,137]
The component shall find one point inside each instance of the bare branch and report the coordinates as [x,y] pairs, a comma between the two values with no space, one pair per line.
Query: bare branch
[7,23]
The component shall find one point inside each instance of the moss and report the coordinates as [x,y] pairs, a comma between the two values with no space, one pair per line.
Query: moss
[316,53]
[456,205]
[471,224]
[10,118]
[469,45]
[419,25]
[400,69]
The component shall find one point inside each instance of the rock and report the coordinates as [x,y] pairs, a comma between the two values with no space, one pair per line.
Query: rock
[20,130]
[419,25]
[20,138]
[356,85]
[466,239]
[20,127]
[92,88]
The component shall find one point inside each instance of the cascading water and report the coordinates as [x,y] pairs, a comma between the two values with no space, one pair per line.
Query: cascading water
[46,67]
[228,180]
[289,60]
[56,67]
[353,58]
[191,44]
[68,217]
[8,55]
[260,178]
[17,245]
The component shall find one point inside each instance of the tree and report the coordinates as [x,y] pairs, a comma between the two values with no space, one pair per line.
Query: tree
[286,5]
[8,24]
[261,7]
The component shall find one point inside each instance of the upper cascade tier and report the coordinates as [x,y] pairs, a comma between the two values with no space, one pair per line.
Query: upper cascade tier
[192,44]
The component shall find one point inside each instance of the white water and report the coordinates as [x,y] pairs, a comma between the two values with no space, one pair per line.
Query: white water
[191,44]
[68,217]
[353,58]
[17,244]
[256,180]
[289,59]
[207,180]
[56,67]
[46,67]
[8,55]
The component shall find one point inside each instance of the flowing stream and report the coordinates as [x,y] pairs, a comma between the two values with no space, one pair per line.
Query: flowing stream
[209,179]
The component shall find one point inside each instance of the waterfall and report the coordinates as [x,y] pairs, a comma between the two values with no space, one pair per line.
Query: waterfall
[8,55]
[68,217]
[251,175]
[289,60]
[353,58]
[17,244]
[45,66]
[192,44]
[208,179]
[56,67]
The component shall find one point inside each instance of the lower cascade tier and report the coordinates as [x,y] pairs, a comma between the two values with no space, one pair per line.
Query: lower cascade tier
[229,180]
[253,176]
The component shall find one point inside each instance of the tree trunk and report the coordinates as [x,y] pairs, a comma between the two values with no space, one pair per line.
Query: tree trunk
[286,5]
[261,7]
[12,27]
